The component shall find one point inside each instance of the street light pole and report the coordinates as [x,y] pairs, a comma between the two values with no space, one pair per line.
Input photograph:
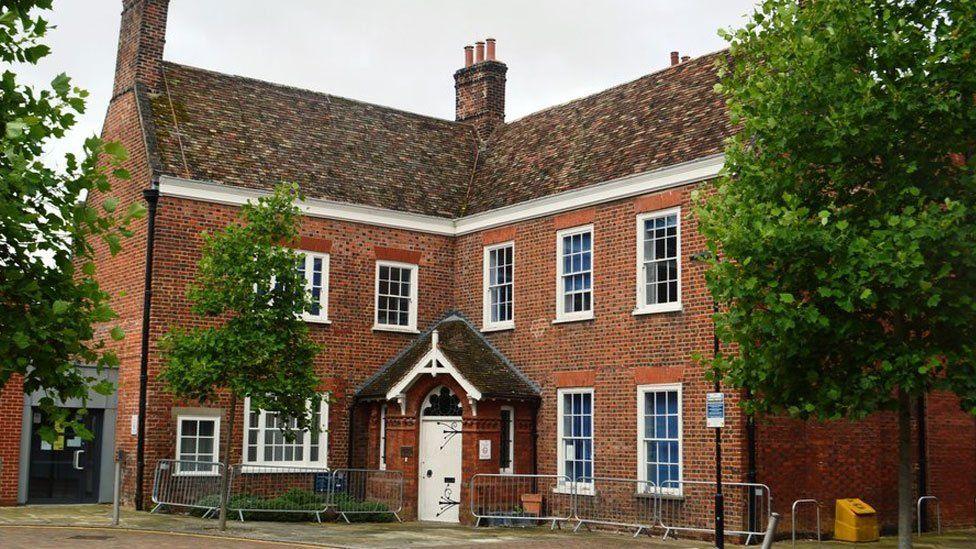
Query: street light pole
[719,497]
[703,257]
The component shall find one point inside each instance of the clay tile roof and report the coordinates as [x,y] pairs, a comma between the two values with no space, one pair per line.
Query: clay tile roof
[473,355]
[249,133]
[243,132]
[664,118]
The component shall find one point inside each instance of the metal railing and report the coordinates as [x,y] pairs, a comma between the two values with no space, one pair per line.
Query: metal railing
[685,505]
[624,502]
[267,490]
[938,512]
[366,492]
[501,498]
[796,504]
[190,484]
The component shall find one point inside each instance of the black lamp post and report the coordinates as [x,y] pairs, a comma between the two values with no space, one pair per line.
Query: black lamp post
[719,497]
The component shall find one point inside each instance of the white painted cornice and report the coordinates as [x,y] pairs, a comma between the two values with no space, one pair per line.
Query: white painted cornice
[656,180]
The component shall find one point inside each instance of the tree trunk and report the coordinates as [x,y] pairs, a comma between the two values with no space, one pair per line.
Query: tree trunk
[225,475]
[905,402]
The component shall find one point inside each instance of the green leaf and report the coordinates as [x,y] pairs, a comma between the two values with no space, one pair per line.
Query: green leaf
[59,307]
[117,333]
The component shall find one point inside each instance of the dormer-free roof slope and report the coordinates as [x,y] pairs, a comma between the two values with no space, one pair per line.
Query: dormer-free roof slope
[249,133]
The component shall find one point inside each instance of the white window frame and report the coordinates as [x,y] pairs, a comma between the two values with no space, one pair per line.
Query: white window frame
[383,436]
[179,444]
[561,314]
[486,323]
[510,435]
[411,326]
[323,460]
[562,486]
[642,391]
[309,258]
[642,307]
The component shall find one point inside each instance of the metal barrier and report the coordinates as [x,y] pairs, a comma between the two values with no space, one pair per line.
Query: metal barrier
[624,502]
[793,517]
[685,505]
[191,484]
[273,489]
[505,498]
[938,512]
[366,492]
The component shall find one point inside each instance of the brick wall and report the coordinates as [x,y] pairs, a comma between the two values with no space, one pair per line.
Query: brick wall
[11,414]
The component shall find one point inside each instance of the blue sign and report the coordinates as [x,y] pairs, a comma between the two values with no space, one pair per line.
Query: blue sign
[715,410]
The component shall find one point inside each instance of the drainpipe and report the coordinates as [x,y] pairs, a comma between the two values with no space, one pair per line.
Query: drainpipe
[751,464]
[535,437]
[352,422]
[923,462]
[151,195]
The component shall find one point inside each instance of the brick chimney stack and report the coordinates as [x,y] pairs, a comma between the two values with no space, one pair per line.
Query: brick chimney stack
[480,89]
[141,38]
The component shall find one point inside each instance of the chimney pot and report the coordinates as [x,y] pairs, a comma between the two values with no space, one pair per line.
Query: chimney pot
[674,58]
[490,53]
[468,56]
[685,58]
[479,52]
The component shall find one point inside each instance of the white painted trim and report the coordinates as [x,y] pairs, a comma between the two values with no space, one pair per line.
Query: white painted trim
[309,257]
[486,324]
[323,460]
[313,207]
[441,365]
[585,488]
[179,444]
[382,463]
[642,451]
[677,175]
[510,435]
[411,327]
[641,308]
[561,314]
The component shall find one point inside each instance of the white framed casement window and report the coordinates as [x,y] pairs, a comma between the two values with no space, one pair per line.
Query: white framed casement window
[574,274]
[314,267]
[506,446]
[499,287]
[575,437]
[197,440]
[659,261]
[659,437]
[396,297]
[265,442]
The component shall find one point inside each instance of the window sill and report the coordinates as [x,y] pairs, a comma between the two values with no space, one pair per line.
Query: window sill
[498,327]
[316,320]
[398,329]
[278,468]
[659,308]
[568,319]
[580,490]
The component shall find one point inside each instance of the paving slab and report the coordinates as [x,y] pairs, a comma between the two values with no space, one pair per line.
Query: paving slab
[68,526]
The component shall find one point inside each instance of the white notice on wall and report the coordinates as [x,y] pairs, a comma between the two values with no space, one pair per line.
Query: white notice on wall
[134,425]
[484,449]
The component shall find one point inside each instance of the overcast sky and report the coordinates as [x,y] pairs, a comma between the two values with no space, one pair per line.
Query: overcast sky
[400,53]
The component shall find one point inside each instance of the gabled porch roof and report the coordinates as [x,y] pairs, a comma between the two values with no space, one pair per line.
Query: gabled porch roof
[452,346]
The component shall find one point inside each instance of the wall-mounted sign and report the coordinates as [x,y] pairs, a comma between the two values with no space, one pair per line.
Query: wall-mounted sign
[484,450]
[715,410]
[406,451]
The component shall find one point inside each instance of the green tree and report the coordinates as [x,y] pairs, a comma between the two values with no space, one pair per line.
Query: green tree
[50,301]
[845,217]
[258,346]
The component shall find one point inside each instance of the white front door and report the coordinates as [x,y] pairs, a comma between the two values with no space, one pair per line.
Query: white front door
[439,489]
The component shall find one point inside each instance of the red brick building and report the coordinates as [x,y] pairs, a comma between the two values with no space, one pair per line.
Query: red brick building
[493,296]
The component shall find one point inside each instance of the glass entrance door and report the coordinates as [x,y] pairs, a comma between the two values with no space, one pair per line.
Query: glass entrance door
[66,470]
